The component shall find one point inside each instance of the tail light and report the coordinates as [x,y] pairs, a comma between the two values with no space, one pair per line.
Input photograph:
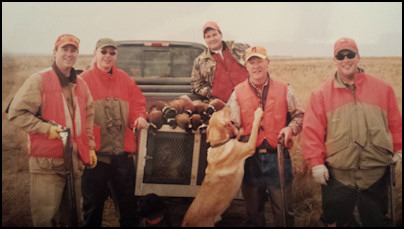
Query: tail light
[157,44]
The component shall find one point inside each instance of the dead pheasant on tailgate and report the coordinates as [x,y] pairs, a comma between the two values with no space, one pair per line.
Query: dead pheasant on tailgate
[215,105]
[203,118]
[184,121]
[155,116]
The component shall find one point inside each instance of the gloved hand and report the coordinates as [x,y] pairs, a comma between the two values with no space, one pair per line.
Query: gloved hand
[320,174]
[54,132]
[397,157]
[93,160]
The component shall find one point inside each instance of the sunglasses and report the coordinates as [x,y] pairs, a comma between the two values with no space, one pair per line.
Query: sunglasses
[104,52]
[341,56]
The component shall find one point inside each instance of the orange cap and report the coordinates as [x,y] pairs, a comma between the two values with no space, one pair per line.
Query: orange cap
[345,43]
[210,24]
[67,39]
[255,51]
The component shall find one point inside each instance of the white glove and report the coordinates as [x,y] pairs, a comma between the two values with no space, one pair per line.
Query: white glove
[397,157]
[320,174]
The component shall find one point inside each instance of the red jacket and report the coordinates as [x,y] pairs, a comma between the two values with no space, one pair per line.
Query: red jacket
[118,103]
[338,123]
[54,108]
[274,117]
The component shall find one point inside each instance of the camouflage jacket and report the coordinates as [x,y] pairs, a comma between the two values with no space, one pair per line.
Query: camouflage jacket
[204,68]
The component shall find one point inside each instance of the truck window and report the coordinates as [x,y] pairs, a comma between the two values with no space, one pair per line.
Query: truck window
[157,62]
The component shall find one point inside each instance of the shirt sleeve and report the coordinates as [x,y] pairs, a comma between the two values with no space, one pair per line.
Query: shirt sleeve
[395,121]
[314,131]
[296,111]
[90,119]
[137,104]
[26,105]
[199,84]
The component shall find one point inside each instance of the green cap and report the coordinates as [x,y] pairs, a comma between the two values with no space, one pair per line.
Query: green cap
[104,42]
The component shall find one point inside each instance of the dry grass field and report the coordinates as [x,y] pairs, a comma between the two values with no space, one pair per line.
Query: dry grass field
[304,74]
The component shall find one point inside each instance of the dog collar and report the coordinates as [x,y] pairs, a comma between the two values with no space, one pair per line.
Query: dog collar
[153,221]
[220,144]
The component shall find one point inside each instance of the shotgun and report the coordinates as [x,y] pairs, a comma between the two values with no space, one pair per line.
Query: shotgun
[281,172]
[68,159]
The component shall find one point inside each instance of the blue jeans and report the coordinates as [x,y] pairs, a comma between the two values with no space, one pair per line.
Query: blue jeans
[261,174]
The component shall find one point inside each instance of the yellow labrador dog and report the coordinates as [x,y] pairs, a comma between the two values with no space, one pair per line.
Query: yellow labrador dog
[224,172]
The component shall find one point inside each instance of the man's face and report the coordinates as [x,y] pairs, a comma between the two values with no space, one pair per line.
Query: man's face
[213,40]
[257,69]
[347,67]
[106,58]
[65,57]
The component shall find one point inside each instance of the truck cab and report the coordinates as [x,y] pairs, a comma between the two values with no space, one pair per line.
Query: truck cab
[162,69]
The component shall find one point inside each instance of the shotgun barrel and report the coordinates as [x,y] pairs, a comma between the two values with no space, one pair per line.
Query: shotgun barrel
[68,159]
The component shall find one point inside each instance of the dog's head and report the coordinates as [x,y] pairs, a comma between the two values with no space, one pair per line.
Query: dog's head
[220,128]
[153,211]
[150,206]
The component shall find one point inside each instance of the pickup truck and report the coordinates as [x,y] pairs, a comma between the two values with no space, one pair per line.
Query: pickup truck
[162,69]
[170,162]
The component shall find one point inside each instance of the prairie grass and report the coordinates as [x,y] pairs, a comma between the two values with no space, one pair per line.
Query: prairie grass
[303,74]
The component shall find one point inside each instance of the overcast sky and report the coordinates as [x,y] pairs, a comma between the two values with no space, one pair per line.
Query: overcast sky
[284,29]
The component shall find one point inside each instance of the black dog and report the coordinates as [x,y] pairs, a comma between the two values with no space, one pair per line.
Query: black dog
[152,211]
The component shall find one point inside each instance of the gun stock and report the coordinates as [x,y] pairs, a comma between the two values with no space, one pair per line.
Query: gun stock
[281,173]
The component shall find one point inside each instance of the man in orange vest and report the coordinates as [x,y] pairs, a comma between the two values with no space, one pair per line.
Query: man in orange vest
[120,107]
[55,95]
[220,67]
[282,119]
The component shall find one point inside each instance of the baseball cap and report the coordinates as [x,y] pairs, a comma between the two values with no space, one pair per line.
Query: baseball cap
[67,39]
[345,44]
[255,51]
[104,42]
[210,24]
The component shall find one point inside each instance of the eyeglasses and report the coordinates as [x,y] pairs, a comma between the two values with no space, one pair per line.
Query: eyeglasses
[104,52]
[341,56]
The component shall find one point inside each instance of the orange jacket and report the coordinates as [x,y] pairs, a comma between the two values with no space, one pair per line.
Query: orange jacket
[54,108]
[338,124]
[274,118]
[118,102]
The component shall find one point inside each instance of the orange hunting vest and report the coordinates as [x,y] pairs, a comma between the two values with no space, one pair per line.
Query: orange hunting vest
[274,118]
[55,108]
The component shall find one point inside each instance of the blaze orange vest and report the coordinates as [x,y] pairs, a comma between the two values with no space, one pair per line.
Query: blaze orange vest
[274,117]
[55,108]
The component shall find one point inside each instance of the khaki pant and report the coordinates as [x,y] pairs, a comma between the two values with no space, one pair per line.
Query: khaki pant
[48,190]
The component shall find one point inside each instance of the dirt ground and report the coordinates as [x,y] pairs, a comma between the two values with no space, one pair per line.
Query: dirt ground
[234,216]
